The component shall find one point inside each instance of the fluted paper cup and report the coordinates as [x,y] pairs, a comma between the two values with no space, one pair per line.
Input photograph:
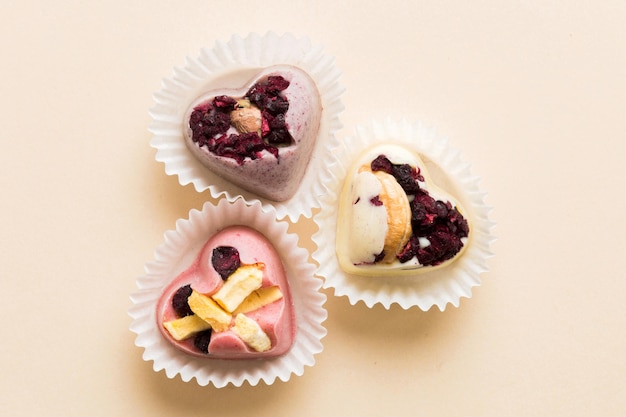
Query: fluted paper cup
[231,64]
[447,168]
[179,250]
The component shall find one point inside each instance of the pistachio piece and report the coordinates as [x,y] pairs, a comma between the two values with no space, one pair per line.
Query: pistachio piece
[246,117]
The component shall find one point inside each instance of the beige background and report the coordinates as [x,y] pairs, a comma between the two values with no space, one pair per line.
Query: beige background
[532,92]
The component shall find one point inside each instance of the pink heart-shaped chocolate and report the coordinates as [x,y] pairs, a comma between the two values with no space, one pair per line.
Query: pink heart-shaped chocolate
[259,137]
[215,279]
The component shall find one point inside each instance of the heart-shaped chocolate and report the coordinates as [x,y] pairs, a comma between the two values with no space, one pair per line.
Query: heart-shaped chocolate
[233,302]
[259,137]
[393,220]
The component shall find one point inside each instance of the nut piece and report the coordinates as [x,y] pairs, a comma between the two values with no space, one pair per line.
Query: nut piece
[246,117]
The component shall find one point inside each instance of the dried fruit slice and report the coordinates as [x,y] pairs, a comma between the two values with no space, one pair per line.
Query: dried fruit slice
[396,202]
[185,327]
[258,299]
[239,285]
[208,310]
[259,288]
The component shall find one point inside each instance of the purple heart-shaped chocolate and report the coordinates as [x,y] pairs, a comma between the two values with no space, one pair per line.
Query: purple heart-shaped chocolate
[259,137]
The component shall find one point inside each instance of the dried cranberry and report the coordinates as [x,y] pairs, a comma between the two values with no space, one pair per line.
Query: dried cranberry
[375,201]
[443,246]
[278,137]
[225,260]
[201,341]
[406,176]
[179,301]
[277,105]
[381,163]
[410,250]
[277,122]
[210,122]
[438,222]
[435,220]
[276,83]
[206,122]
[224,103]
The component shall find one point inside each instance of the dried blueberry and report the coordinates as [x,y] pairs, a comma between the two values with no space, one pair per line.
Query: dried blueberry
[201,341]
[179,301]
[225,260]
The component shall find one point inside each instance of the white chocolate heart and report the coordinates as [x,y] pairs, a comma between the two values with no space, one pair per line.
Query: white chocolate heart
[382,231]
[268,176]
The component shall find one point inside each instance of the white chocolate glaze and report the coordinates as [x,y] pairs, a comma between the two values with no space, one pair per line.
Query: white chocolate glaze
[360,231]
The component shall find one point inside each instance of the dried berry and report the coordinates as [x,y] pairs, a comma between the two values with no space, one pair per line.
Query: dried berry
[225,260]
[179,301]
[225,103]
[381,163]
[437,221]
[375,201]
[276,83]
[201,341]
[278,137]
[210,122]
[277,105]
[410,250]
[441,224]
[406,175]
[443,246]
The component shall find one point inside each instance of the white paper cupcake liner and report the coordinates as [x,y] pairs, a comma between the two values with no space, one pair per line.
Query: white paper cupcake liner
[180,248]
[231,65]
[447,169]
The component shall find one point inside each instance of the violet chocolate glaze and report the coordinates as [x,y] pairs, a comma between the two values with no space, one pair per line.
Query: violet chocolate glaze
[272,163]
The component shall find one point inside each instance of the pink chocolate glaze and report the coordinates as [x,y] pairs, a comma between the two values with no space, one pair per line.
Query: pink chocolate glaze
[276,319]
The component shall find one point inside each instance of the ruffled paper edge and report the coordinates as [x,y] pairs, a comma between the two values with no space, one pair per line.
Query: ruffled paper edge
[223,62]
[442,287]
[173,256]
